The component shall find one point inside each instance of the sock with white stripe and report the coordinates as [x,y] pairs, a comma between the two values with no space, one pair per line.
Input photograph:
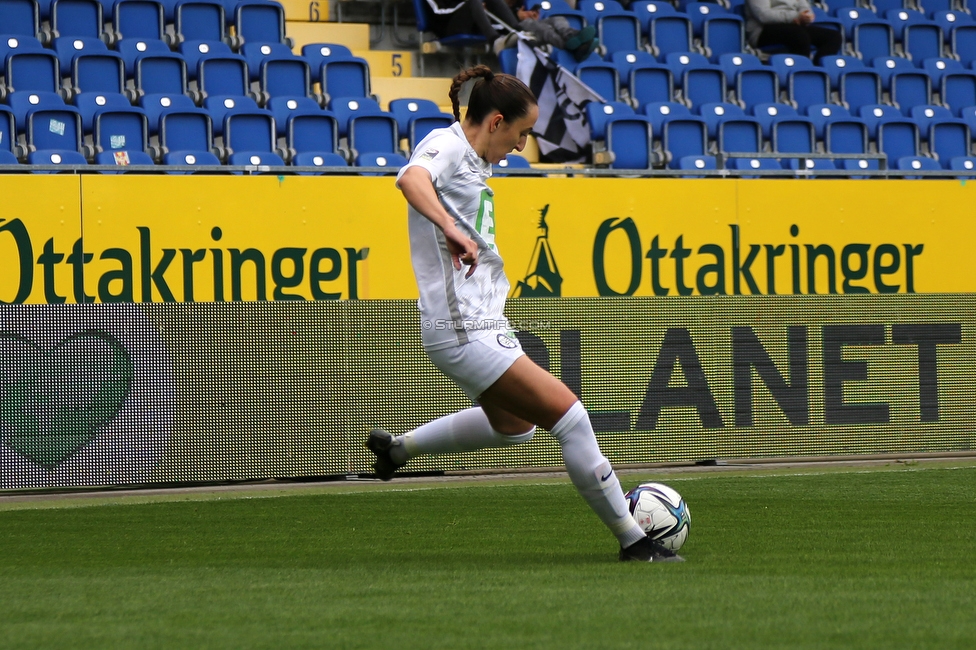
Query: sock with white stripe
[467,430]
[592,475]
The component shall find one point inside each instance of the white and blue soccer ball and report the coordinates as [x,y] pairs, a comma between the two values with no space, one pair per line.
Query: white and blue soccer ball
[661,512]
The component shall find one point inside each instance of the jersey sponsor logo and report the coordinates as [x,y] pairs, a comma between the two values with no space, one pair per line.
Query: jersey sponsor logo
[485,224]
[507,340]
[429,154]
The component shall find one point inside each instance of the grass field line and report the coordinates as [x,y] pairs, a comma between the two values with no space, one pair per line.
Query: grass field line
[628,477]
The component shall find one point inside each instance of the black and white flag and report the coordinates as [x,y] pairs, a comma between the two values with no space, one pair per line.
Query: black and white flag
[562,130]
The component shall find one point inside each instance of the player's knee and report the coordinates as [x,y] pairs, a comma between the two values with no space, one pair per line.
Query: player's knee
[509,440]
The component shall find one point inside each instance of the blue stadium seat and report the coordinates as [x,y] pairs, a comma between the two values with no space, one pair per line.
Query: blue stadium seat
[283,108]
[190,159]
[860,88]
[249,132]
[68,48]
[220,106]
[837,65]
[345,108]
[8,136]
[872,39]
[193,51]
[593,10]
[619,32]
[716,112]
[32,71]
[964,164]
[510,162]
[910,89]
[142,19]
[122,158]
[700,12]
[886,66]
[256,53]
[933,8]
[285,77]
[22,103]
[874,115]
[670,34]
[408,110]
[629,141]
[925,116]
[723,34]
[917,163]
[10,44]
[846,136]
[882,7]
[968,115]
[808,87]
[220,75]
[949,20]
[701,82]
[319,53]
[373,133]
[958,90]
[684,136]
[949,139]
[255,159]
[851,17]
[769,113]
[98,73]
[260,21]
[897,138]
[860,165]
[56,157]
[648,10]
[823,114]
[754,83]
[185,132]
[19,18]
[56,128]
[787,64]
[625,61]
[199,20]
[739,135]
[792,134]
[810,164]
[922,41]
[602,77]
[310,133]
[155,106]
[74,18]
[660,112]
[312,159]
[649,84]
[936,67]
[345,78]
[377,159]
[963,43]
[597,116]
[132,48]
[755,164]
[88,104]
[119,129]
[697,163]
[157,74]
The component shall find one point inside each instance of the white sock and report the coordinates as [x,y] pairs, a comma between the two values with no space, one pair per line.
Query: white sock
[592,475]
[467,430]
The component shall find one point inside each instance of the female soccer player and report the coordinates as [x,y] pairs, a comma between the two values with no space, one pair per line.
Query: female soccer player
[451,223]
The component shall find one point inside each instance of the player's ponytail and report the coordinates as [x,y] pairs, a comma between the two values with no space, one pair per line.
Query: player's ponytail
[491,92]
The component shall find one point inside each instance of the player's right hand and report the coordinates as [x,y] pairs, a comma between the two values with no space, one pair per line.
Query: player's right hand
[462,248]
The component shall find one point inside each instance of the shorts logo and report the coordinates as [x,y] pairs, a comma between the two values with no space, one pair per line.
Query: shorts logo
[430,154]
[507,341]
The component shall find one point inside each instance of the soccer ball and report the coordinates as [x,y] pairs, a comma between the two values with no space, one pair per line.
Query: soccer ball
[661,512]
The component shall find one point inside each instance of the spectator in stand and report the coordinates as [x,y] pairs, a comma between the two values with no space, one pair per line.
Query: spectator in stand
[789,23]
[469,17]
[554,30]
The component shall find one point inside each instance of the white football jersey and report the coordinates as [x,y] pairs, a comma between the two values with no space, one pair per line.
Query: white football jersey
[455,310]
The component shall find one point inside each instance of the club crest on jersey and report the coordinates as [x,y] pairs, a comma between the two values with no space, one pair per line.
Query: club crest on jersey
[429,154]
[507,340]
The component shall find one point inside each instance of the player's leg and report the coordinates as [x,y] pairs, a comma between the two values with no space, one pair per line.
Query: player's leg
[528,393]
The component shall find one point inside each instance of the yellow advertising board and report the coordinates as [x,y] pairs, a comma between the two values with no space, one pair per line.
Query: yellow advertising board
[161,238]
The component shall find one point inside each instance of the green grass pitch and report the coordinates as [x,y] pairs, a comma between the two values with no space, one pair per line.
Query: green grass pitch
[840,559]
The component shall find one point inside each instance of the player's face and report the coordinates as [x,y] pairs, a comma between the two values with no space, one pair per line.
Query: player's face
[510,136]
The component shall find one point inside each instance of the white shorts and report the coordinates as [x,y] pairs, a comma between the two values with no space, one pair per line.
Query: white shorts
[477,365]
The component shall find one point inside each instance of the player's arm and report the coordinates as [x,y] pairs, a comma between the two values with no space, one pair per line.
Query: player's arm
[418,190]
